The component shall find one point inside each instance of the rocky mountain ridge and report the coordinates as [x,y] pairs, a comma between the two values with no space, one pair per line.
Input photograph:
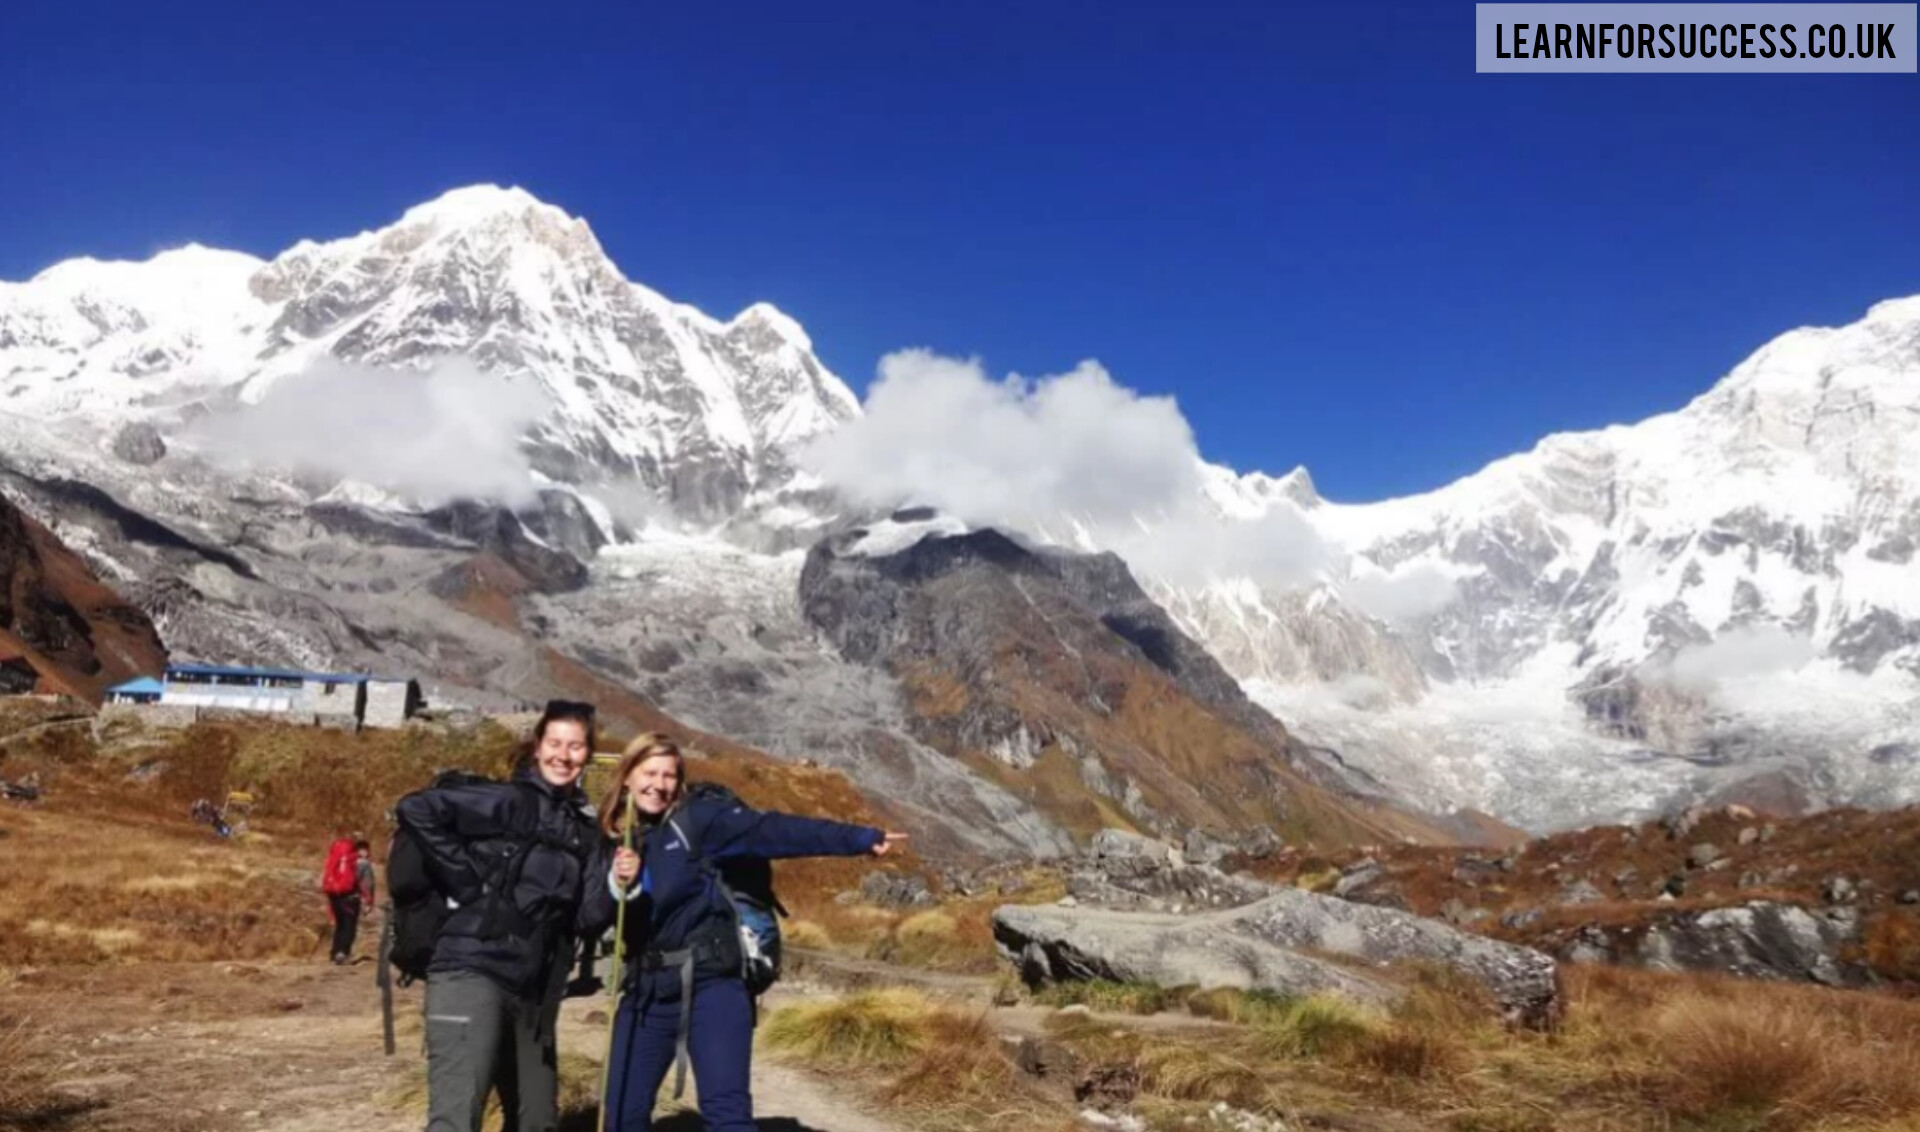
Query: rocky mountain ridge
[1594,629]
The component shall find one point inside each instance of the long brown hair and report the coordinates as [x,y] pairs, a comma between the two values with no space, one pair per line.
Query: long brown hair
[646,745]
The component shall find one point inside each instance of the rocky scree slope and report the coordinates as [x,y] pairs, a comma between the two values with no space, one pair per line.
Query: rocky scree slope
[1055,676]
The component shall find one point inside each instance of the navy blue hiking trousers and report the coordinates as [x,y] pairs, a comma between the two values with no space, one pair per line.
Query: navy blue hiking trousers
[719,1045]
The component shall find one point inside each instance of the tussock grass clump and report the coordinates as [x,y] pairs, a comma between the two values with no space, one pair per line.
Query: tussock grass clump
[1779,1058]
[932,1066]
[806,934]
[959,1060]
[873,1028]
[579,1085]
[938,939]
[1211,1072]
[1320,1025]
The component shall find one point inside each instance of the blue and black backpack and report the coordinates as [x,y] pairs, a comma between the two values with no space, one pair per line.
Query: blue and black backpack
[746,883]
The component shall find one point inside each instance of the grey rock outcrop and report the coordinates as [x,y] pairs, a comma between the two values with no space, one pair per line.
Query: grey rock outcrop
[501,532]
[1762,940]
[139,443]
[898,889]
[1125,870]
[1265,945]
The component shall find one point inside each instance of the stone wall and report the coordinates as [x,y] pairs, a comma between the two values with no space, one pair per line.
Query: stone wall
[186,715]
[150,715]
[332,700]
[389,703]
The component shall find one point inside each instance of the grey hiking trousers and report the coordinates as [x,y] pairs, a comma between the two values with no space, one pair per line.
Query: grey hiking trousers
[480,1037]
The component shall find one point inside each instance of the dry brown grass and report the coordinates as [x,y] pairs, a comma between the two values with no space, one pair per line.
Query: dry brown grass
[1718,1052]
[86,888]
[934,1067]
[1637,1052]
[110,869]
[26,1100]
[955,934]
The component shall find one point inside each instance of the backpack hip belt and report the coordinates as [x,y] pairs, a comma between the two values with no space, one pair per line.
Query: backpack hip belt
[685,959]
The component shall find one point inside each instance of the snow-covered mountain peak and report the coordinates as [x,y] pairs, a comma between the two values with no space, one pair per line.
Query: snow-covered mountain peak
[1253,494]
[187,263]
[774,321]
[638,388]
[473,204]
[1877,358]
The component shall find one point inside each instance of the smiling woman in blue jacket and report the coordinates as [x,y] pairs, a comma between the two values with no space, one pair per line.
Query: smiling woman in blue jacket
[685,995]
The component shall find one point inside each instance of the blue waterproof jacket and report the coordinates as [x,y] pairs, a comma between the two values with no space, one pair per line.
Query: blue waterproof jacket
[680,904]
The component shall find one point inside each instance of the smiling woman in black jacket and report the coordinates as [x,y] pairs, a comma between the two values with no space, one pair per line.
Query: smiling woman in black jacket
[523,867]
[685,993]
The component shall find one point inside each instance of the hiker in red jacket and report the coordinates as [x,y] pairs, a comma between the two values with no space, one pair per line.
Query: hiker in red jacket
[348,884]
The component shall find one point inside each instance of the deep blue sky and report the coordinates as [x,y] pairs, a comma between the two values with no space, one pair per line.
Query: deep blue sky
[1317,228]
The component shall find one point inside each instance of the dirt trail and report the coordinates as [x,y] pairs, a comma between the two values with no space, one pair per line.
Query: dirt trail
[296,1047]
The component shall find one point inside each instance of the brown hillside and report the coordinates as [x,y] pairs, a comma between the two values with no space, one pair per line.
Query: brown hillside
[80,635]
[1705,859]
[127,802]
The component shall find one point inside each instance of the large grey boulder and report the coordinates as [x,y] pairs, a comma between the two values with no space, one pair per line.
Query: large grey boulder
[1261,946]
[1066,944]
[1759,939]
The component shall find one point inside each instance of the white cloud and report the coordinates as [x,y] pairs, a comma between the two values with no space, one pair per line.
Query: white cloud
[1413,591]
[1043,456]
[1738,654]
[939,431]
[450,431]
[1191,545]
[634,504]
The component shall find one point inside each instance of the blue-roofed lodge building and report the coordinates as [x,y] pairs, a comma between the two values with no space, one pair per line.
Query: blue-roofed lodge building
[145,690]
[336,698]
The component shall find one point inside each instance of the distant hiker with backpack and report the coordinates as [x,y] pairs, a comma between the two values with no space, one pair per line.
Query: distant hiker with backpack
[520,870]
[347,882]
[691,980]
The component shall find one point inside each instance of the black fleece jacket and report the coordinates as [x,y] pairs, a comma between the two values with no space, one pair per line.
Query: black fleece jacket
[523,939]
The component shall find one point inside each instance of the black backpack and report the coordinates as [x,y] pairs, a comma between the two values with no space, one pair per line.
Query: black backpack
[416,909]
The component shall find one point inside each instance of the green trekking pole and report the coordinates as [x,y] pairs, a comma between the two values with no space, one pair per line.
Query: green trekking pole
[619,968]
